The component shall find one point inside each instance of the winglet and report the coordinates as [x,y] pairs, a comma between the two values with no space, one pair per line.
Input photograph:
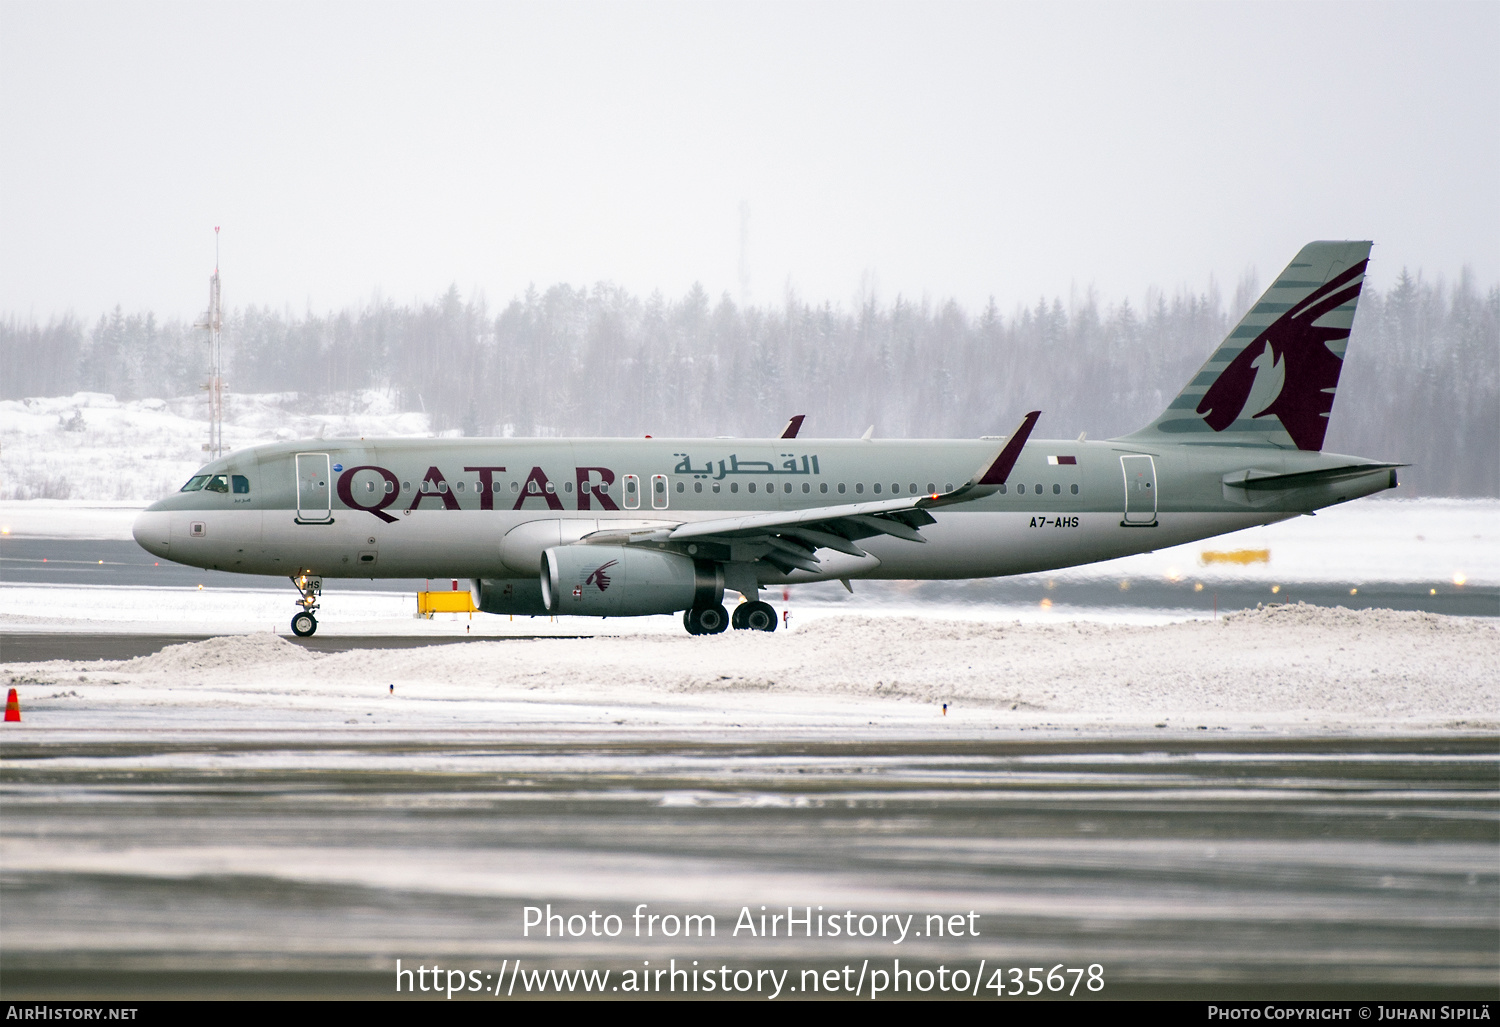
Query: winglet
[1000,470]
[793,426]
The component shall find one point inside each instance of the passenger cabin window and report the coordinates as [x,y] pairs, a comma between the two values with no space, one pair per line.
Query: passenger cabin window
[1021,489]
[806,488]
[823,486]
[752,487]
[877,488]
[1075,490]
[859,487]
[734,486]
[218,483]
[841,488]
[1056,490]
[1002,488]
[697,486]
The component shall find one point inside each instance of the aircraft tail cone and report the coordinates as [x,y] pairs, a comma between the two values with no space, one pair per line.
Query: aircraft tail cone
[13,707]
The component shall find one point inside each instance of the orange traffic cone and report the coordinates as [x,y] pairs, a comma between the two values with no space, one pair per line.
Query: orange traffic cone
[13,707]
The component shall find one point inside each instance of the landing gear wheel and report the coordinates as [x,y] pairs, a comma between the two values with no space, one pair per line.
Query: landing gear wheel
[706,620]
[755,616]
[304,624]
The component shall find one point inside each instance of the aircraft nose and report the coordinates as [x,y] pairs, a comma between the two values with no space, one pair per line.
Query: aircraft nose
[153,532]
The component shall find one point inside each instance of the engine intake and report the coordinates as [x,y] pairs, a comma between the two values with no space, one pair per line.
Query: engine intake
[624,581]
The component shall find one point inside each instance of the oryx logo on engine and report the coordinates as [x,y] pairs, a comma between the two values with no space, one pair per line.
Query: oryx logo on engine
[598,577]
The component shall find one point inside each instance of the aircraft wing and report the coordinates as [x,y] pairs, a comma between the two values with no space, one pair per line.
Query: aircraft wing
[790,539]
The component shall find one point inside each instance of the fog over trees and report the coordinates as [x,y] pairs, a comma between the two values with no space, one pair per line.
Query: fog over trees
[1421,383]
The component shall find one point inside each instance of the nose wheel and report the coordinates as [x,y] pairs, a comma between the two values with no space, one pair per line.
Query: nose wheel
[309,591]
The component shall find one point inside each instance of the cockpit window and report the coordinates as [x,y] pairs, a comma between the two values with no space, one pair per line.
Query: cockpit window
[242,484]
[195,483]
[218,483]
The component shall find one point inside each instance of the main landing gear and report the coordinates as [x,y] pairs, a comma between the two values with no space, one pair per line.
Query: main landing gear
[310,589]
[755,616]
[706,620]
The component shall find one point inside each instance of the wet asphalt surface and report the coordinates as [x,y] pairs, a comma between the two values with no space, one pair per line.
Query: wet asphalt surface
[1184,866]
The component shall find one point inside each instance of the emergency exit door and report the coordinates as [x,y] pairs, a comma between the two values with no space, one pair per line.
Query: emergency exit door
[314,489]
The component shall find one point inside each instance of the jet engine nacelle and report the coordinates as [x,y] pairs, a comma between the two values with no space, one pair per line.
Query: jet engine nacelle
[624,581]
[515,596]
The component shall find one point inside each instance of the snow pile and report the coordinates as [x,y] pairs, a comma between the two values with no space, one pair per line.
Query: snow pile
[1338,618]
[91,446]
[231,653]
[1296,669]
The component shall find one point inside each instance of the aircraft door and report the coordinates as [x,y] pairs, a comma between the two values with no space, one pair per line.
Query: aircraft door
[314,488]
[1140,490]
[658,491]
[632,492]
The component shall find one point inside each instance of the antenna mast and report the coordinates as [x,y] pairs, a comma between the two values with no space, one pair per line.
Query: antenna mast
[215,387]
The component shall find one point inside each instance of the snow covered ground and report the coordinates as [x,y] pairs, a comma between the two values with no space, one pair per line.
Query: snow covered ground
[1297,669]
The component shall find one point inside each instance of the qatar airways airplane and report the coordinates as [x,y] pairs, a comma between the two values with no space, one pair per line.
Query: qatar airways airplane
[632,527]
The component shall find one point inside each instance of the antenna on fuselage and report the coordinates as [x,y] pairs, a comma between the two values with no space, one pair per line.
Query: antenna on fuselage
[214,322]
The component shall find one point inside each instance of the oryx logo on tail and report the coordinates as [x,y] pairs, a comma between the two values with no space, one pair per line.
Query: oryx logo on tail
[1288,370]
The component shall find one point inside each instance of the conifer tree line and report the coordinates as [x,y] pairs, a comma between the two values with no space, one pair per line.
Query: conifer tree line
[1421,383]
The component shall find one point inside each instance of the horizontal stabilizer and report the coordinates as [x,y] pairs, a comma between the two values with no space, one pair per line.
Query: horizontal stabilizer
[1267,481]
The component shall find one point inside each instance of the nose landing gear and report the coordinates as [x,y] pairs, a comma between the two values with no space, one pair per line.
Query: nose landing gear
[309,589]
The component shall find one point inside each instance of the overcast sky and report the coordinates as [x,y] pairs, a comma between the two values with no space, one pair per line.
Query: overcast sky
[929,149]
